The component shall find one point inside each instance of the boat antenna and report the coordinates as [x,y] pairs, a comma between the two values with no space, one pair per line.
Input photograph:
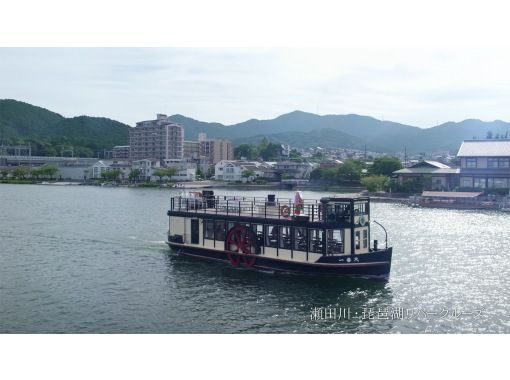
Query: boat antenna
[385,232]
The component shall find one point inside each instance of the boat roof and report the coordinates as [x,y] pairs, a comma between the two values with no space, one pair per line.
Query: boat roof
[345,198]
[451,194]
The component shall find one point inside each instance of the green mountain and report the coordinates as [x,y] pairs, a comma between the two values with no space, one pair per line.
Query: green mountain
[49,132]
[325,138]
[302,129]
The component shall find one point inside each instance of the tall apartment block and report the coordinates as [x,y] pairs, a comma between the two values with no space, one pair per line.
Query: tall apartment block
[192,150]
[216,150]
[159,139]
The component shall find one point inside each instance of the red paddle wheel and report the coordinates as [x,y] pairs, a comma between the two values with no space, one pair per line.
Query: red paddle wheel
[242,240]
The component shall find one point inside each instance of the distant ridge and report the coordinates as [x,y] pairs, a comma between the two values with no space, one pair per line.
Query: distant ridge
[22,122]
[300,129]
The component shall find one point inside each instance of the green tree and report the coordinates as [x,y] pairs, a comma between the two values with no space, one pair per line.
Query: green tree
[20,172]
[160,173]
[350,171]
[269,151]
[385,166]
[170,172]
[49,171]
[165,172]
[111,175]
[115,174]
[135,174]
[329,174]
[36,172]
[4,173]
[415,185]
[210,171]
[248,173]
[246,150]
[376,182]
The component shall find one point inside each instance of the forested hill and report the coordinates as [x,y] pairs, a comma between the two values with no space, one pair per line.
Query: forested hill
[48,132]
[303,129]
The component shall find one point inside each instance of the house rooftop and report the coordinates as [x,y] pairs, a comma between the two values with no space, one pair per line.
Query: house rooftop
[484,148]
[427,170]
[436,164]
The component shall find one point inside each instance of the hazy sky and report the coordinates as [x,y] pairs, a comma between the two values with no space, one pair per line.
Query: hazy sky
[420,87]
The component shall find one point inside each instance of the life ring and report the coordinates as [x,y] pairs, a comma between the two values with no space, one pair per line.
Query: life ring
[285,211]
[362,220]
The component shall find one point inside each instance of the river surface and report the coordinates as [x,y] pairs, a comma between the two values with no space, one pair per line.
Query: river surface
[77,259]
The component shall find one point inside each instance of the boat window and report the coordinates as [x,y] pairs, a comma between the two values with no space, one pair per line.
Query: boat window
[315,240]
[360,208]
[285,237]
[230,225]
[300,239]
[343,210]
[271,236]
[258,229]
[209,229]
[220,230]
[357,240]
[335,241]
[365,238]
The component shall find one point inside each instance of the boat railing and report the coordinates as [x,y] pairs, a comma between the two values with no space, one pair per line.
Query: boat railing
[256,207]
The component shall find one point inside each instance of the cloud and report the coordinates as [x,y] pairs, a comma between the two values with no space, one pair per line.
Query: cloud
[414,86]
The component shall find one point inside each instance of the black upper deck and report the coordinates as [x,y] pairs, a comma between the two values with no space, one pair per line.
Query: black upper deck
[339,210]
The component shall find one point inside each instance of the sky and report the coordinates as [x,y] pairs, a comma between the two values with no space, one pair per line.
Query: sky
[422,87]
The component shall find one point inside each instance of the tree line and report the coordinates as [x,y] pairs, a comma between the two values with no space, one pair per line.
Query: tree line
[23,173]
[374,177]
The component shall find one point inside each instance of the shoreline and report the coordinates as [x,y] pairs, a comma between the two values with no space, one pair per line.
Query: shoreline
[197,185]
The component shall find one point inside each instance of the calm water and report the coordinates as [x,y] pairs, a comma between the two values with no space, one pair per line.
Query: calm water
[93,260]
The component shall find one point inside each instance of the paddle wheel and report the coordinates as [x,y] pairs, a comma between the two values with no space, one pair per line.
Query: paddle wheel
[242,240]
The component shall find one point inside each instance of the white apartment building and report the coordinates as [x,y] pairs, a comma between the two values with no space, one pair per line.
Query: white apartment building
[293,169]
[186,170]
[228,170]
[145,167]
[156,139]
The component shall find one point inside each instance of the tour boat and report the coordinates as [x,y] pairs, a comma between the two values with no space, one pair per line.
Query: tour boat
[328,237]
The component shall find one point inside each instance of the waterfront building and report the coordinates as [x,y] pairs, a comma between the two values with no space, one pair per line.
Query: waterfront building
[443,177]
[191,150]
[96,171]
[294,169]
[145,167]
[216,149]
[186,169]
[156,139]
[485,164]
[207,152]
[230,170]
[120,152]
